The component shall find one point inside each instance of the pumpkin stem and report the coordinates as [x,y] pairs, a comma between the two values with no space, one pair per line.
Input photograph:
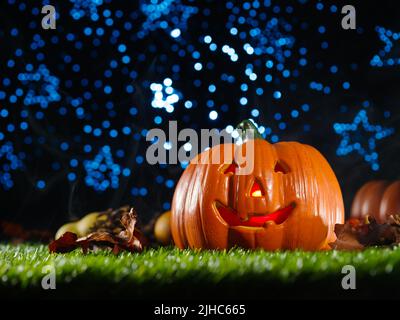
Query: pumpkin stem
[249,130]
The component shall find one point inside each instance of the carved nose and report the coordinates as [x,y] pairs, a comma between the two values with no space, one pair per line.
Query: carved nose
[256,191]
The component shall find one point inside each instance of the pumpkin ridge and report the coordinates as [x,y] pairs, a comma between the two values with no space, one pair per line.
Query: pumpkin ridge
[200,178]
[182,231]
[200,207]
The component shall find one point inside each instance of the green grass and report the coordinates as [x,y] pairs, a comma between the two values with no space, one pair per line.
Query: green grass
[169,273]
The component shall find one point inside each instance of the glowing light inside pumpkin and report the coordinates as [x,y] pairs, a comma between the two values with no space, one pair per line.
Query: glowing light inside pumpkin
[256,190]
[231,169]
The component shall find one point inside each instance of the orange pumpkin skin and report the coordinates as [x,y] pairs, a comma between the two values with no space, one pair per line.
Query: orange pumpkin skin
[309,184]
[379,199]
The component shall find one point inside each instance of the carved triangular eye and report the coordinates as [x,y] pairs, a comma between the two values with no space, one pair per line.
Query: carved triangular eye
[231,168]
[282,167]
[256,190]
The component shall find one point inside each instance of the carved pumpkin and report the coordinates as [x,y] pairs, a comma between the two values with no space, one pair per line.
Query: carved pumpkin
[291,200]
[379,199]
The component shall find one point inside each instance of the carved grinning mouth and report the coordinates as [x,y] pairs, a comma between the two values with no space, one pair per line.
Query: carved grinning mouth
[231,217]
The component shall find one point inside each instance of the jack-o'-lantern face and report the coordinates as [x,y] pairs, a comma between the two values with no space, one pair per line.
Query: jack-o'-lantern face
[291,199]
[256,194]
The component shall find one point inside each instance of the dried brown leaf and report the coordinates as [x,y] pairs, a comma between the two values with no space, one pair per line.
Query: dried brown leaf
[346,238]
[17,233]
[357,234]
[123,238]
[66,243]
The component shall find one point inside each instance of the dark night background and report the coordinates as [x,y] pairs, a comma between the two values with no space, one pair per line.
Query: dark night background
[80,96]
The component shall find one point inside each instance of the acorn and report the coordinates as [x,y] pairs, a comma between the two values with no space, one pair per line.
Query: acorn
[162,229]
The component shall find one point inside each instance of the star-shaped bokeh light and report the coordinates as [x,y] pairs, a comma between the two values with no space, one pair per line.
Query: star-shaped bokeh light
[387,57]
[169,15]
[360,136]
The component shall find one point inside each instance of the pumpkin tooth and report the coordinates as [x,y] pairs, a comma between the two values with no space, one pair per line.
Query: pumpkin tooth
[268,223]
